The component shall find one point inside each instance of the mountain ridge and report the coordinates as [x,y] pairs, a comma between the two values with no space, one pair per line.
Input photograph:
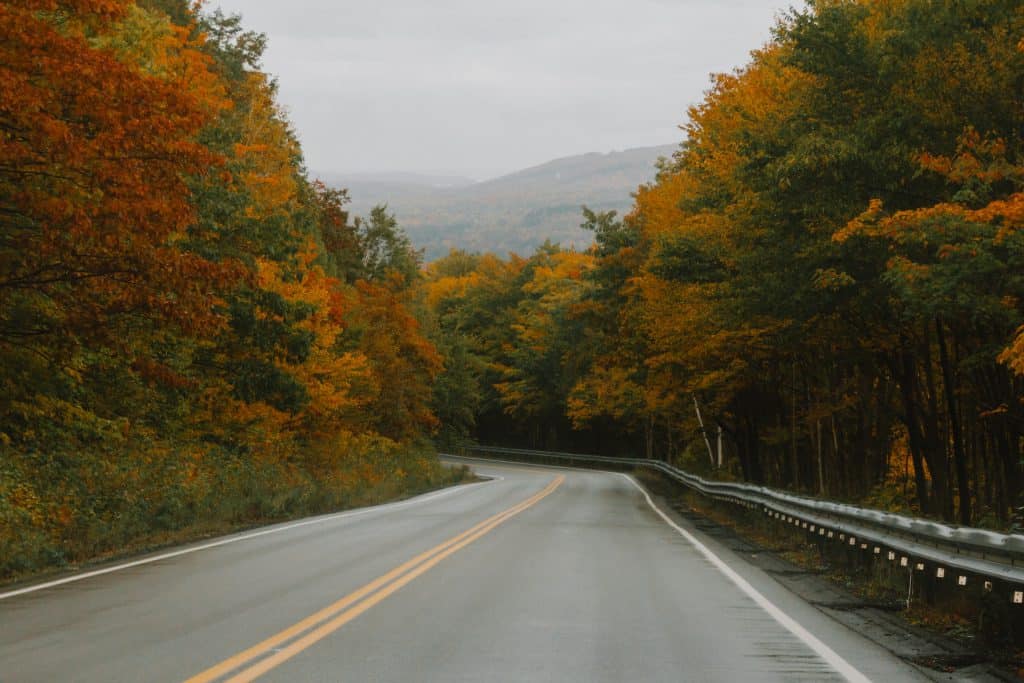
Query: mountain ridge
[515,212]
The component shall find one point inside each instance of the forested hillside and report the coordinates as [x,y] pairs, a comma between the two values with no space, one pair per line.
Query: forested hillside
[516,212]
[823,290]
[192,332]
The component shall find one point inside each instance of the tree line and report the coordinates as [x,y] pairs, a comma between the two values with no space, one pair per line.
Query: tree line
[192,330]
[822,289]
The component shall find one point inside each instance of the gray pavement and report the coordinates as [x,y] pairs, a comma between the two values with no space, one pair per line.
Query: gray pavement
[588,584]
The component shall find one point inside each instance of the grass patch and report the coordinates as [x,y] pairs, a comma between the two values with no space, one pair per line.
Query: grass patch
[50,525]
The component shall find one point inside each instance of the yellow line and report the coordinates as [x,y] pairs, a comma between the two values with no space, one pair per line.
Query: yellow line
[400,576]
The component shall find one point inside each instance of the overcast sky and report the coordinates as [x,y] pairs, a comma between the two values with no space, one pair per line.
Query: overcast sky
[482,87]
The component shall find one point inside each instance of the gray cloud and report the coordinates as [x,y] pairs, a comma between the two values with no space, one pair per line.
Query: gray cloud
[481,88]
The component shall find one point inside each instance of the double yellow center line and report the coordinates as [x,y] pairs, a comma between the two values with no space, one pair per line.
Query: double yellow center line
[301,635]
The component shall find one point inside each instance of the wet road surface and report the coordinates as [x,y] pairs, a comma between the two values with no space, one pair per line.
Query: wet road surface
[537,575]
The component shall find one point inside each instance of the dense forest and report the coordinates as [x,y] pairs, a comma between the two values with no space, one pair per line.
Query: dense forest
[192,332]
[823,289]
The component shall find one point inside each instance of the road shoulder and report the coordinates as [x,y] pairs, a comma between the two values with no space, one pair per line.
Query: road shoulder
[935,656]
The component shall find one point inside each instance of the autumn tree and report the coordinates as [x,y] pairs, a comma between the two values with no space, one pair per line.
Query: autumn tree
[819,290]
[191,330]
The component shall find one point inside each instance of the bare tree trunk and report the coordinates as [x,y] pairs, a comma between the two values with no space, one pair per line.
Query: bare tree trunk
[959,457]
[794,465]
[835,444]
[821,462]
[935,452]
[704,432]
[721,459]
[908,378]
[670,437]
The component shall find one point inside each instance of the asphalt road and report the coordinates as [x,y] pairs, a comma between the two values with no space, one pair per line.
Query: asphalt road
[538,575]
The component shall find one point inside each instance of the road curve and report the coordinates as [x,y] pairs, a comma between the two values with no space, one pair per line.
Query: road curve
[539,575]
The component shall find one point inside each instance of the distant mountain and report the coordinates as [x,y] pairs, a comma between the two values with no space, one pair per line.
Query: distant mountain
[387,188]
[412,179]
[516,212]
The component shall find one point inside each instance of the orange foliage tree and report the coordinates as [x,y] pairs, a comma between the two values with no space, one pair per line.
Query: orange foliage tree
[184,334]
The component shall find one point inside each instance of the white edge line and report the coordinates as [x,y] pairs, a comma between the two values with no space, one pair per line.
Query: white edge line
[386,507]
[834,660]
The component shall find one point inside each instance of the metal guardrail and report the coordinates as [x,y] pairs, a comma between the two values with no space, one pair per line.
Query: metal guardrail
[963,555]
